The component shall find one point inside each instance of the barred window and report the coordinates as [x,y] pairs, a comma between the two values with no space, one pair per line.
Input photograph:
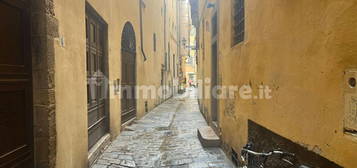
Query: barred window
[214,25]
[154,41]
[238,21]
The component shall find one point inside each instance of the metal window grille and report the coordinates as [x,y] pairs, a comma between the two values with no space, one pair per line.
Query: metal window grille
[154,41]
[238,21]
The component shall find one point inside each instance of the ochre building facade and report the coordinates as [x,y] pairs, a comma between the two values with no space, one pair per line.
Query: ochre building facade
[305,52]
[76,60]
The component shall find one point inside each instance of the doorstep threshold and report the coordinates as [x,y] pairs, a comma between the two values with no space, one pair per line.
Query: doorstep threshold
[98,149]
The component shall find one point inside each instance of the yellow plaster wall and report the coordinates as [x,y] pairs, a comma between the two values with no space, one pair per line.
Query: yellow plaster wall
[70,81]
[71,77]
[172,39]
[300,49]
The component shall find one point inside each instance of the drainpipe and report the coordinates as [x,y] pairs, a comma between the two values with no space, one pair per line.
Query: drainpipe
[141,29]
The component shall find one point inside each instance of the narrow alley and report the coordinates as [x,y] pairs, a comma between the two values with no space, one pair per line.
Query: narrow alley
[165,137]
[178,83]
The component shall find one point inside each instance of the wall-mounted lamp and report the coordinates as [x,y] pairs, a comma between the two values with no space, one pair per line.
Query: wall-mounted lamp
[211,5]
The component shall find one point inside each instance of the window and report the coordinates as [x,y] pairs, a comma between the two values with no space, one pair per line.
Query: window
[207,26]
[92,33]
[189,60]
[166,61]
[154,41]
[238,21]
[214,25]
[191,76]
[168,57]
[173,65]
[87,31]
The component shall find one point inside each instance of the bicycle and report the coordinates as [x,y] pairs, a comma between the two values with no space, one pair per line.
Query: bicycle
[272,159]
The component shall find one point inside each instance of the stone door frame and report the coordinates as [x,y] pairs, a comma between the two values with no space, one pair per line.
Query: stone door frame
[44,31]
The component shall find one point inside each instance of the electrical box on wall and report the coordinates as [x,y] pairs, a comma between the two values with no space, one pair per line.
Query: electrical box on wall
[350,122]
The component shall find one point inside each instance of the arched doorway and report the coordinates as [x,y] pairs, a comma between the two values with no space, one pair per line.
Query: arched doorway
[128,82]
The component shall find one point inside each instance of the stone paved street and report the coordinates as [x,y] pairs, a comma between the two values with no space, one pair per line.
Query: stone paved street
[166,137]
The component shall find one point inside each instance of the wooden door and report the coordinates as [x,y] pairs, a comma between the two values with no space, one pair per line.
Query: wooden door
[128,84]
[97,84]
[214,63]
[16,131]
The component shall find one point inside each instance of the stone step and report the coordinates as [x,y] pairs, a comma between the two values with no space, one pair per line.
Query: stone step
[208,137]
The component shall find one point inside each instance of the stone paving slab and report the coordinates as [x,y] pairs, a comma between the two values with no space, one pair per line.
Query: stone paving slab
[208,137]
[164,138]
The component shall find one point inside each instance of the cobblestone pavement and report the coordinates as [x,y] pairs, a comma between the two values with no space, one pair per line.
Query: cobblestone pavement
[167,138]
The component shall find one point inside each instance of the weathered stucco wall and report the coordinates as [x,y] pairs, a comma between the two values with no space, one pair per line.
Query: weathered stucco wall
[301,50]
[71,76]
[172,46]
[71,79]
